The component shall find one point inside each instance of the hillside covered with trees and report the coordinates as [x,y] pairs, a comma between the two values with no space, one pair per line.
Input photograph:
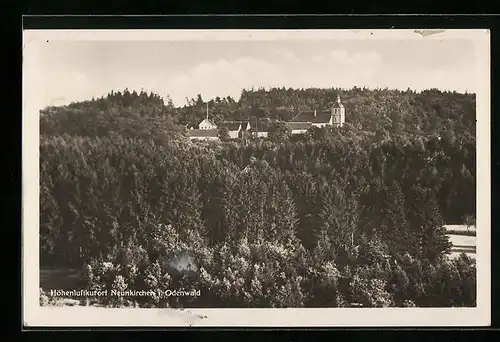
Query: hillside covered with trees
[337,217]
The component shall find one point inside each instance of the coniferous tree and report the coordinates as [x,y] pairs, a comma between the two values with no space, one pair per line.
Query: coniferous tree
[339,218]
[426,223]
[395,229]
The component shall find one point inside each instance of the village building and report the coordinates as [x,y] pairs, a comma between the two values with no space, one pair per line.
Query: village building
[338,113]
[207,130]
[235,128]
[206,124]
[299,127]
[299,124]
[305,120]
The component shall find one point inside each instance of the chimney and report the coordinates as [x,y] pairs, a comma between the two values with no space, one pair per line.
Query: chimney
[315,112]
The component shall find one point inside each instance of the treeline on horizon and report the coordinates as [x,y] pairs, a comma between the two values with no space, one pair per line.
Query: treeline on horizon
[380,110]
[331,218]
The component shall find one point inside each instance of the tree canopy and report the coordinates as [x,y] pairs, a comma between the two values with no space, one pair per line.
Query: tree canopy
[335,217]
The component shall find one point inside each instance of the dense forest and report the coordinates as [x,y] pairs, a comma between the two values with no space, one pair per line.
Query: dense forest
[336,217]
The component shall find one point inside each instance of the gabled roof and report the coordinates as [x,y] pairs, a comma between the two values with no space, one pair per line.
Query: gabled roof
[320,117]
[203,133]
[232,126]
[207,121]
[299,125]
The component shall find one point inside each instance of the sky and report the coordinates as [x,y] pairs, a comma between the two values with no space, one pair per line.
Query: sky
[79,70]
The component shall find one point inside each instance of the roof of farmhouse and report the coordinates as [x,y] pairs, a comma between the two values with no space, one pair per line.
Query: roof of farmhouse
[203,133]
[312,116]
[234,125]
[299,125]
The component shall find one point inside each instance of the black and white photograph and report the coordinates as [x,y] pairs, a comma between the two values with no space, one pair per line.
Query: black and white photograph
[256,177]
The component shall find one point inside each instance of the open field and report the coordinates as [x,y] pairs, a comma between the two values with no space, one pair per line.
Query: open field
[463,244]
[459,228]
[59,279]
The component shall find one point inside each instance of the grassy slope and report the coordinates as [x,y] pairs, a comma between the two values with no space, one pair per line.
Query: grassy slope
[464,241]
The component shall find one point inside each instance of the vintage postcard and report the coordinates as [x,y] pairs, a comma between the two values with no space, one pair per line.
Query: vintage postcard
[322,178]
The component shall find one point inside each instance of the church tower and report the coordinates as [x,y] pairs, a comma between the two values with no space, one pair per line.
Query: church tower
[337,113]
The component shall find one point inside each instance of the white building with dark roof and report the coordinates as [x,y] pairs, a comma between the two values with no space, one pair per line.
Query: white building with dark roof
[207,124]
[299,127]
[207,130]
[338,113]
[334,117]
[235,127]
[299,124]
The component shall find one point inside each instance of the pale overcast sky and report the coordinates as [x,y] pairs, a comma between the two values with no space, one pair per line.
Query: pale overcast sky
[78,70]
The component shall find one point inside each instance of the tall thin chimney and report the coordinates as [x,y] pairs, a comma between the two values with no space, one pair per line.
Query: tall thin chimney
[207,110]
[315,112]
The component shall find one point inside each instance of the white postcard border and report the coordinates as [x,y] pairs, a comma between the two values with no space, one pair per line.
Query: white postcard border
[34,315]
